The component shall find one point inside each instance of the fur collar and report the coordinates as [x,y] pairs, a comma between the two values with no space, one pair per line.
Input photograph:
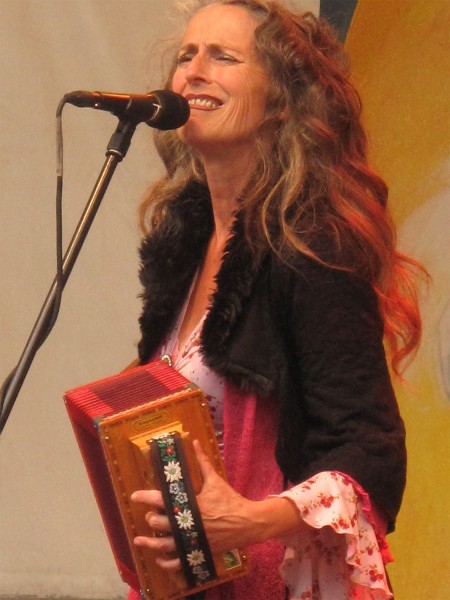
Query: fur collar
[169,259]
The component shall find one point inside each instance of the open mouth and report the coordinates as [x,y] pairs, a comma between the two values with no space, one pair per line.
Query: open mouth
[203,102]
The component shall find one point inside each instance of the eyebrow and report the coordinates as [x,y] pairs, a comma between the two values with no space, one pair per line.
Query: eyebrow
[191,47]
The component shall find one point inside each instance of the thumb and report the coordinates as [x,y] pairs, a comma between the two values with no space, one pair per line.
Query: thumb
[206,468]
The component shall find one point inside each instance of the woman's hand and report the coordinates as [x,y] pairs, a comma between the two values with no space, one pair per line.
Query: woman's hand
[223,512]
[221,507]
[163,542]
[230,520]
[227,516]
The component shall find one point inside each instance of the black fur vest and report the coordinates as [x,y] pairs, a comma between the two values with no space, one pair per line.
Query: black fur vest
[169,260]
[309,336]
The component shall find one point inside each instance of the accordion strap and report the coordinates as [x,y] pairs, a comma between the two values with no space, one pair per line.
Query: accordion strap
[170,464]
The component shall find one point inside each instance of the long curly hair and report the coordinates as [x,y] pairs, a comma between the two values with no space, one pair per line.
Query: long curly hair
[312,178]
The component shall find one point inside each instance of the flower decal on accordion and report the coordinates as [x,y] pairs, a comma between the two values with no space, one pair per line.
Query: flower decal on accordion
[181,505]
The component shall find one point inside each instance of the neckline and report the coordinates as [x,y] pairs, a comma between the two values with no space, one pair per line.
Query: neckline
[175,348]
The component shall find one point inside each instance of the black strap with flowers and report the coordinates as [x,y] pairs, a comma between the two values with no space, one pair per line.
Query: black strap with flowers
[182,509]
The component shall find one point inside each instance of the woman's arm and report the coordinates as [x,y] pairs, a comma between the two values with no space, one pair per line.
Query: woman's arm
[339,412]
[229,519]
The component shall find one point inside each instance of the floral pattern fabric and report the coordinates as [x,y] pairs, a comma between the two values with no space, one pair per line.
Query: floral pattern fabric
[187,360]
[342,553]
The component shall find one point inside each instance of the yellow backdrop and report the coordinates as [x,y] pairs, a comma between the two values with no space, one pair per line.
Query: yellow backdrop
[401,64]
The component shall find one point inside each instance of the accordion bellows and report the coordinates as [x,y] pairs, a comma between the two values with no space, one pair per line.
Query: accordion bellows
[135,431]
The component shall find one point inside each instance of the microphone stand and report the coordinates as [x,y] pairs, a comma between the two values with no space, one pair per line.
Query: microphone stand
[116,150]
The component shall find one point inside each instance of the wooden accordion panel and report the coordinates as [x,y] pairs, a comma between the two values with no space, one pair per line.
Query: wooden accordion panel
[135,431]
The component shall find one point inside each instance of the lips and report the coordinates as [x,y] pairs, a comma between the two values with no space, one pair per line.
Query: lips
[203,102]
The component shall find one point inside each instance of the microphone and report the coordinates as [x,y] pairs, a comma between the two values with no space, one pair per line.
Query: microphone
[161,109]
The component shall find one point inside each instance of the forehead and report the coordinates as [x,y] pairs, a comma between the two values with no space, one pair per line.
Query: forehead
[221,24]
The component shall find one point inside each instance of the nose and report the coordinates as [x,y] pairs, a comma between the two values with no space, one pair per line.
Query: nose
[197,69]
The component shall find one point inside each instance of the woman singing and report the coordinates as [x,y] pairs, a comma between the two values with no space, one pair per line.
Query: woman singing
[271,278]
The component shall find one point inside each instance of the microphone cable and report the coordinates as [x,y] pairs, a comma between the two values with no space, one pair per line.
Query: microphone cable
[59,279]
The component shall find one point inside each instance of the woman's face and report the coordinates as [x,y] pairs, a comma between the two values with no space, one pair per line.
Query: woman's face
[219,73]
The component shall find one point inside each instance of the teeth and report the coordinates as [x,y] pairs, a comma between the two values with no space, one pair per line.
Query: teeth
[203,102]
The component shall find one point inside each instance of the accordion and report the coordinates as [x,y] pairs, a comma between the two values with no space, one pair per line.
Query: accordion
[135,431]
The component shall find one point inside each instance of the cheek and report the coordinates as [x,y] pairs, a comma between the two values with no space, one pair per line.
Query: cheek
[177,82]
[251,104]
[253,96]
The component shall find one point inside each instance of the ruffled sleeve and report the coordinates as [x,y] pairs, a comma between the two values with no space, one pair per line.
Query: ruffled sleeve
[343,552]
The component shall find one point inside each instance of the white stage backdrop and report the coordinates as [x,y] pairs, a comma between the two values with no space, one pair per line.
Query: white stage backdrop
[52,541]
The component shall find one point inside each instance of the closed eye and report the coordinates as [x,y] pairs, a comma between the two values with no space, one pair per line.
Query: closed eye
[214,51]
[226,58]
[184,58]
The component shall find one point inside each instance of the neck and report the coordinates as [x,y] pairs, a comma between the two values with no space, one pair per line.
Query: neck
[226,179]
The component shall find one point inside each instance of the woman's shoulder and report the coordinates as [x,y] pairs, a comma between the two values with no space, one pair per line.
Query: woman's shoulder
[320,282]
[321,258]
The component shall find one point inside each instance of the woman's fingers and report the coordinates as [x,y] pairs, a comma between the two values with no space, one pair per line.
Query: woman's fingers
[158,522]
[164,546]
[206,468]
[152,498]
[169,564]
[161,544]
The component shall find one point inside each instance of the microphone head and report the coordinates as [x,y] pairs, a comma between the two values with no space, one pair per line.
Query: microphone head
[174,110]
